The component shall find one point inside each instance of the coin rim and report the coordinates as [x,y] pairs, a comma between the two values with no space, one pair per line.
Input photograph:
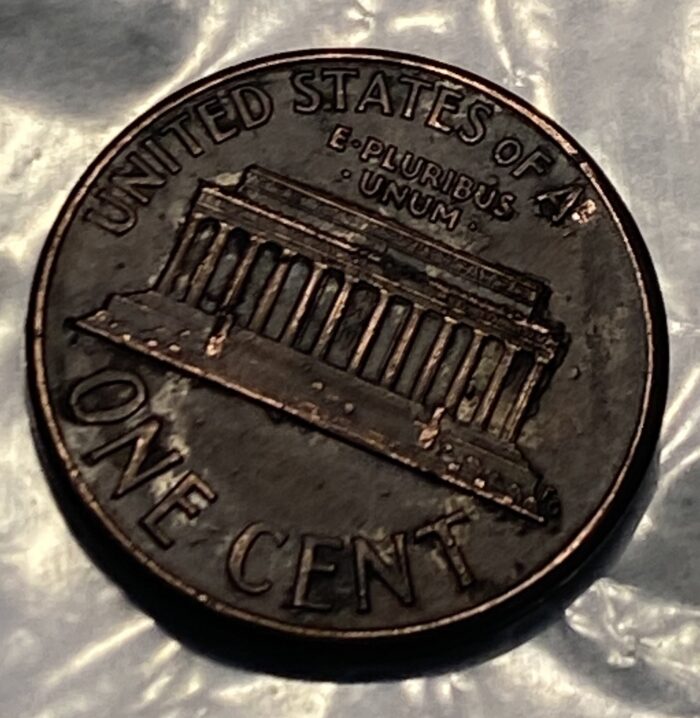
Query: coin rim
[640,450]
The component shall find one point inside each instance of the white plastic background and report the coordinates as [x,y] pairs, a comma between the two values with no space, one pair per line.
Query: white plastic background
[623,76]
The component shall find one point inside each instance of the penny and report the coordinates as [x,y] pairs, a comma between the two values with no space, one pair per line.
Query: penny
[348,344]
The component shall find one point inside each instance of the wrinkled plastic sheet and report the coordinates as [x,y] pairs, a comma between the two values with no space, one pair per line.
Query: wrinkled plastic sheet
[623,76]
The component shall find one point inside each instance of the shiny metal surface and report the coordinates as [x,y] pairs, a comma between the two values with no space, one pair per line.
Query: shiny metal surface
[621,76]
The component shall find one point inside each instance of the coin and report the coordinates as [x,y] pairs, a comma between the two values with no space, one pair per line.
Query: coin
[348,344]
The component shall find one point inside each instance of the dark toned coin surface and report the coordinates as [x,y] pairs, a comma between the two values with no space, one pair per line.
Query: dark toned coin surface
[348,344]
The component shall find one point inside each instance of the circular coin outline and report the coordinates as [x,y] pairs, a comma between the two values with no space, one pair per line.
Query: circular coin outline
[640,450]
